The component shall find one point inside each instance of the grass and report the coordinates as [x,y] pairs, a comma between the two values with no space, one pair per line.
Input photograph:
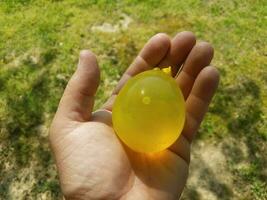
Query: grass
[40,43]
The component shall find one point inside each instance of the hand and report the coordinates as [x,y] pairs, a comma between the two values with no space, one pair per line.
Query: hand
[93,163]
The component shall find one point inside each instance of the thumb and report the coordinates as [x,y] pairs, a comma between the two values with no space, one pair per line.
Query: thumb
[78,99]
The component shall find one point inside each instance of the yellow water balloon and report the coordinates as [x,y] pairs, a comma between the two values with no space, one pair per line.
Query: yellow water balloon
[149,112]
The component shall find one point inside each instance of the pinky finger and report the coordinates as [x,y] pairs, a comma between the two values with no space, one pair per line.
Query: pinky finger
[199,99]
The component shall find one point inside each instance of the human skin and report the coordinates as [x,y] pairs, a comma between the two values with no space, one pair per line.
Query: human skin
[92,162]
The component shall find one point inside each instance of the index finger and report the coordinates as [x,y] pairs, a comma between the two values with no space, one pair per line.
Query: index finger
[152,53]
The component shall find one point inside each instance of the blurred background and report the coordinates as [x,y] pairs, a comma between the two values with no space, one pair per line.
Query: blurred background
[39,47]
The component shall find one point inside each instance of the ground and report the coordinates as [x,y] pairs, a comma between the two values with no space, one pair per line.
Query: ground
[40,43]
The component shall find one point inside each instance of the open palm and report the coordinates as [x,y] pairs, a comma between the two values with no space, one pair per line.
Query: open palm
[93,163]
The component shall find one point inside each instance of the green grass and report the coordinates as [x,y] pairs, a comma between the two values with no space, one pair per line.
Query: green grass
[40,43]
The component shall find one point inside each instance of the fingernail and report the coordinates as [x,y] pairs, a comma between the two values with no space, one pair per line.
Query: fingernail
[83,58]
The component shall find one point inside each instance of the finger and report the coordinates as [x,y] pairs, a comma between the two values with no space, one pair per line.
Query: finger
[200,57]
[182,148]
[181,46]
[78,98]
[103,116]
[199,99]
[152,53]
